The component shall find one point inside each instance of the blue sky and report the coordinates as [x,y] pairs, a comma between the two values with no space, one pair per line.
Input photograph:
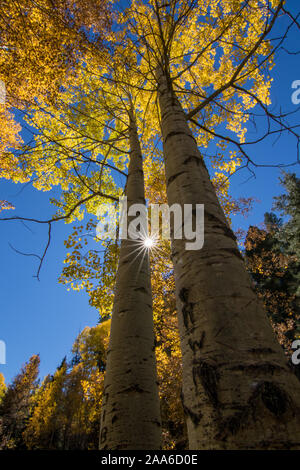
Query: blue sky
[36,316]
[43,317]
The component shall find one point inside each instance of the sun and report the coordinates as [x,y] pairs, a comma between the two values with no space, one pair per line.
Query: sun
[149,242]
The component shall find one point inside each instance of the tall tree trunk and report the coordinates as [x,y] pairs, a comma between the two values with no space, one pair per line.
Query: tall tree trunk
[130,417]
[238,392]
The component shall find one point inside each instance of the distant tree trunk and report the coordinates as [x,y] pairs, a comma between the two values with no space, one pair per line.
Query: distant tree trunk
[130,417]
[238,392]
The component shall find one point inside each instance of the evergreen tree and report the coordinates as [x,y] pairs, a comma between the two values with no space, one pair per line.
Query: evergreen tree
[273,260]
[288,205]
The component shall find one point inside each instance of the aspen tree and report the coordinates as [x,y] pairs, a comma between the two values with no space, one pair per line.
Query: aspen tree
[238,391]
[130,408]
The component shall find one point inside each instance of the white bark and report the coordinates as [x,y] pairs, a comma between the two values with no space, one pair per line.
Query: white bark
[238,392]
[131,409]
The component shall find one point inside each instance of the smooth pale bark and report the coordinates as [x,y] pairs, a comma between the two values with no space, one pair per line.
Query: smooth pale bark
[238,392]
[130,409]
